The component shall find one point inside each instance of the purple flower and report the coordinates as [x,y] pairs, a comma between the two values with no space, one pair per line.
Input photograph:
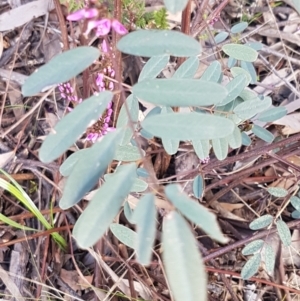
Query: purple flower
[104,26]
[104,46]
[83,14]
[118,27]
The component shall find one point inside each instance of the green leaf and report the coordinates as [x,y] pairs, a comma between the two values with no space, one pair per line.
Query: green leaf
[73,125]
[269,258]
[167,42]
[220,147]
[125,235]
[175,6]
[235,88]
[296,4]
[198,186]
[145,217]
[231,62]
[284,233]
[277,192]
[188,68]
[296,214]
[60,69]
[295,201]
[235,139]
[181,93]
[127,153]
[201,148]
[212,72]
[236,71]
[262,133]
[142,172]
[250,108]
[251,70]
[272,114]
[86,172]
[185,126]
[221,37]
[238,28]
[195,212]
[261,222]
[139,186]
[104,206]
[170,145]
[251,267]
[128,212]
[123,120]
[253,247]
[184,266]
[246,139]
[68,165]
[153,67]
[14,224]
[240,52]
[255,45]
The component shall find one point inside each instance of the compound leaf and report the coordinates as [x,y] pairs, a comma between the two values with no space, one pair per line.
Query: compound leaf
[184,266]
[195,212]
[188,68]
[145,218]
[181,93]
[125,235]
[251,267]
[261,222]
[153,67]
[167,42]
[60,69]
[184,126]
[284,232]
[104,206]
[253,247]
[240,52]
[272,114]
[87,170]
[73,125]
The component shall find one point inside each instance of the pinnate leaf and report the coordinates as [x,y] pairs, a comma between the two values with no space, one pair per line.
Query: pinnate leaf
[181,93]
[145,217]
[272,114]
[60,69]
[125,235]
[185,126]
[249,108]
[277,192]
[195,212]
[240,52]
[251,267]
[253,247]
[183,263]
[104,206]
[88,169]
[262,133]
[261,222]
[188,68]
[269,258]
[284,233]
[167,42]
[198,186]
[73,125]
[153,67]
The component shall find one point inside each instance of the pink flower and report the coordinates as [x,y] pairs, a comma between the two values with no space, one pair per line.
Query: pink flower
[83,14]
[118,27]
[104,26]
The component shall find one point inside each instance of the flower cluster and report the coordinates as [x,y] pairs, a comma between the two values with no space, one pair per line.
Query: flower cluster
[67,92]
[102,26]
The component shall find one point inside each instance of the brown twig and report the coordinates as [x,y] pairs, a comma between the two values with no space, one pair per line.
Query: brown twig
[62,25]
